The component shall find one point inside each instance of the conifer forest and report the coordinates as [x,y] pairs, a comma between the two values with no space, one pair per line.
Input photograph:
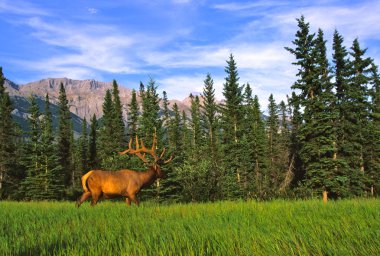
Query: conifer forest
[324,137]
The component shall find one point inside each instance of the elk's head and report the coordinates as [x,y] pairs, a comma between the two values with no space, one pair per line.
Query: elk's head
[140,151]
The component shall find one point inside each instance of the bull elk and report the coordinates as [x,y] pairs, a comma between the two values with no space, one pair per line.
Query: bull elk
[124,183]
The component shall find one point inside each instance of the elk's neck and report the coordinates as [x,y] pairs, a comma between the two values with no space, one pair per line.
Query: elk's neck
[148,177]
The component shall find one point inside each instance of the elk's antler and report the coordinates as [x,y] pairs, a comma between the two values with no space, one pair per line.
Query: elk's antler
[140,148]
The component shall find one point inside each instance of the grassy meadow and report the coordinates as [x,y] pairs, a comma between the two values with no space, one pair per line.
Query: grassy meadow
[347,227]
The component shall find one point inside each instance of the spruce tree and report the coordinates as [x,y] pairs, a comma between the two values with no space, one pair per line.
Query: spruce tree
[209,115]
[195,125]
[33,161]
[232,120]
[64,146]
[133,115]
[284,147]
[295,165]
[303,52]
[372,156]
[8,137]
[93,150]
[151,123]
[165,106]
[341,70]
[107,144]
[150,120]
[176,133]
[251,148]
[320,131]
[53,176]
[83,150]
[273,125]
[118,120]
[357,115]
[209,112]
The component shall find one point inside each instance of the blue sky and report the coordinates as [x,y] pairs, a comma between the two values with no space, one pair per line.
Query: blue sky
[176,42]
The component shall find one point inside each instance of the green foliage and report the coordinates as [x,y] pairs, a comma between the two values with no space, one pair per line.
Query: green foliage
[232,122]
[51,168]
[64,145]
[150,121]
[133,115]
[8,136]
[112,127]
[93,150]
[117,124]
[347,227]
[372,145]
[326,137]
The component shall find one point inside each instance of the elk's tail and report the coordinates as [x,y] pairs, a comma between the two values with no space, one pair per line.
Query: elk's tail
[84,180]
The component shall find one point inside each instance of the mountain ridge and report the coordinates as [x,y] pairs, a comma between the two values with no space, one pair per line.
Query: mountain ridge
[85,96]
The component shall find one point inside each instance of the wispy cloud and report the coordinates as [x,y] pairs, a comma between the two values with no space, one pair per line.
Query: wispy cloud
[181,1]
[92,10]
[21,8]
[240,6]
[91,47]
[173,52]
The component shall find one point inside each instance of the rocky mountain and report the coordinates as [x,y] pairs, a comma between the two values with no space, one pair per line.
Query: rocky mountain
[85,97]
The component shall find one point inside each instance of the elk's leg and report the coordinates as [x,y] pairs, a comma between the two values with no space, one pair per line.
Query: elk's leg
[134,199]
[128,201]
[95,198]
[83,198]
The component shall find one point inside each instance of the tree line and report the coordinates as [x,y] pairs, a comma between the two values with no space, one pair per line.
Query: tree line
[325,137]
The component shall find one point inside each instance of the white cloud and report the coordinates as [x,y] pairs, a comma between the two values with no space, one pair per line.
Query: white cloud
[21,8]
[92,10]
[257,45]
[241,6]
[181,1]
[95,47]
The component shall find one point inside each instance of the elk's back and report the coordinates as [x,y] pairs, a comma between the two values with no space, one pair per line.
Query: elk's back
[111,182]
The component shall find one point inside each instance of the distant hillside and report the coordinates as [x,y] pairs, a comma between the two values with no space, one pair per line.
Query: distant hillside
[85,98]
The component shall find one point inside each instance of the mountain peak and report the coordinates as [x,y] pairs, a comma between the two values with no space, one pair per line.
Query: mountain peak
[85,96]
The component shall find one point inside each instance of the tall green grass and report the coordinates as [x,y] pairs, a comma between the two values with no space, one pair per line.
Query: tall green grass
[349,227]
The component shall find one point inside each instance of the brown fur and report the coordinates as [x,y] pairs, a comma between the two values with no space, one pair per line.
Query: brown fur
[111,184]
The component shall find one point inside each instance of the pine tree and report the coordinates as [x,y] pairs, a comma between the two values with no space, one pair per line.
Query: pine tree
[52,170]
[93,150]
[165,105]
[284,148]
[133,115]
[250,159]
[83,150]
[232,117]
[209,116]
[107,144]
[64,137]
[341,69]
[33,161]
[176,133]
[372,156]
[357,115]
[303,52]
[150,121]
[320,131]
[273,125]
[210,110]
[259,150]
[7,139]
[118,121]
[195,125]
[295,164]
